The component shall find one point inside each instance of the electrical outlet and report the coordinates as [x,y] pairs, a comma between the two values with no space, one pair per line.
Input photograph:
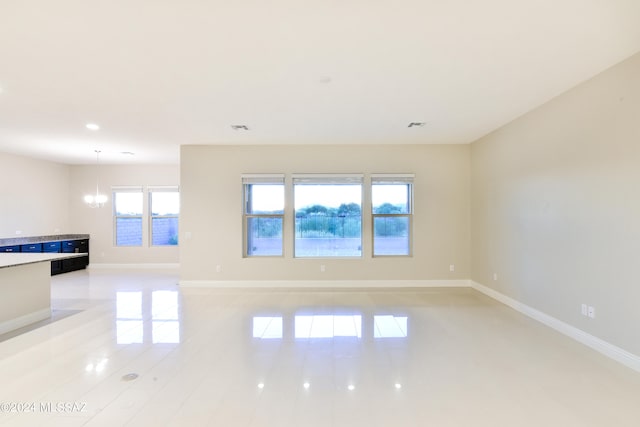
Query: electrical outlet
[322,268]
[584,309]
[218,268]
[452,268]
[591,312]
[495,276]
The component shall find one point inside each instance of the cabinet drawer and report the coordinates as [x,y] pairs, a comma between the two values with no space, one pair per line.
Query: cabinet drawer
[15,248]
[75,246]
[51,247]
[32,247]
[70,246]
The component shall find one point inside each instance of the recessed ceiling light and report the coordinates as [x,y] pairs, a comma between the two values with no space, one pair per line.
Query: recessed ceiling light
[416,124]
[239,127]
[92,126]
[128,153]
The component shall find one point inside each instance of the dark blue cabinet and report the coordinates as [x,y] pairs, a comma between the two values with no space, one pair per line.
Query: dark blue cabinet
[31,247]
[15,248]
[54,247]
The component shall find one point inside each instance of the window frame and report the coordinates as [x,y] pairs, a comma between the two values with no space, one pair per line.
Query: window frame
[162,189]
[393,179]
[329,179]
[261,179]
[116,216]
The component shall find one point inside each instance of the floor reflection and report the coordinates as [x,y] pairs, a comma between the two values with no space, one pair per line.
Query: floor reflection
[267,327]
[330,326]
[134,325]
[390,326]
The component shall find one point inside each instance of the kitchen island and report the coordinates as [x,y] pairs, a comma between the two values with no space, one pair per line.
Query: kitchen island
[25,287]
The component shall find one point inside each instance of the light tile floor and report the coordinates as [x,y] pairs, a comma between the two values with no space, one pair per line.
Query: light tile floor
[278,358]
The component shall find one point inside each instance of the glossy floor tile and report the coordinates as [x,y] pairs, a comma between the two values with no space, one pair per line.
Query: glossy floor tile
[140,351]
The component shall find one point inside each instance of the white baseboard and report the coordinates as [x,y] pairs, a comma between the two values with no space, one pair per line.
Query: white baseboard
[329,284]
[27,319]
[147,266]
[616,353]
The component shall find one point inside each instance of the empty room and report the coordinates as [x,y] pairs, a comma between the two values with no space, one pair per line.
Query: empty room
[353,213]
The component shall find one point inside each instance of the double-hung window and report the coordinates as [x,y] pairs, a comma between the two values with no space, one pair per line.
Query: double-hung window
[263,214]
[127,214]
[328,215]
[164,206]
[392,211]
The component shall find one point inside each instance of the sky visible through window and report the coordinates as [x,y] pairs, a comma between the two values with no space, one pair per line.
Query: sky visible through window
[164,203]
[394,194]
[128,203]
[330,196]
[269,198]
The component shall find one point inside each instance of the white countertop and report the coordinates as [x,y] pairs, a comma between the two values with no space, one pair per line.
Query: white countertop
[11,259]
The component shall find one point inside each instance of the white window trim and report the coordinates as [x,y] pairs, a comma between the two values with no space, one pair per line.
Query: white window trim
[391,179]
[264,178]
[329,179]
[160,189]
[127,189]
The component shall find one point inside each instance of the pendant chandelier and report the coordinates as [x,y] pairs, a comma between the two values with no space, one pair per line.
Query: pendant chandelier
[96,200]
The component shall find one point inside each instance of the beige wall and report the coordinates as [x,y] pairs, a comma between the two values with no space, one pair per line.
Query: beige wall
[34,197]
[99,222]
[555,207]
[212,211]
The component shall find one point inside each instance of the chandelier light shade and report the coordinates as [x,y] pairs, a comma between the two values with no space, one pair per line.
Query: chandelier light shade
[96,200]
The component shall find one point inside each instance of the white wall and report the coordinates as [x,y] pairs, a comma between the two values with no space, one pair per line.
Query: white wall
[555,207]
[212,211]
[34,197]
[98,222]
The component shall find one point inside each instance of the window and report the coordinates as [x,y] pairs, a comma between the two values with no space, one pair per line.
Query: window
[391,202]
[164,205]
[328,215]
[127,212]
[263,214]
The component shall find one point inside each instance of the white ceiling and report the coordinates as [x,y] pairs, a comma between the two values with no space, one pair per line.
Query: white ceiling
[155,74]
